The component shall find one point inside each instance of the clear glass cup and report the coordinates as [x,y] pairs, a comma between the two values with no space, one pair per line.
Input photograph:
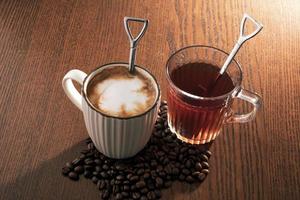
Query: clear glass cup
[196,119]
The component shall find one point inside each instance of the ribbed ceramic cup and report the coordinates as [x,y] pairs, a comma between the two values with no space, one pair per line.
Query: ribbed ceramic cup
[115,137]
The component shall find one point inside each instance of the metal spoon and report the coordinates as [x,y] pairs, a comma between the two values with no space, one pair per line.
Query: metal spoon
[242,39]
[134,41]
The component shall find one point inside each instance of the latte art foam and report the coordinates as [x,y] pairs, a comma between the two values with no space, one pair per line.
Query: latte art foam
[116,92]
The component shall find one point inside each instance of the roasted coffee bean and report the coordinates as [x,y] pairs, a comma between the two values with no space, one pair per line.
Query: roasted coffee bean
[116,189]
[205,165]
[144,191]
[65,170]
[95,179]
[181,177]
[205,171]
[120,177]
[201,176]
[188,164]
[125,194]
[105,167]
[88,167]
[153,174]
[85,151]
[101,184]
[133,188]
[189,179]
[87,174]
[159,182]
[118,196]
[151,195]
[69,165]
[126,188]
[136,195]
[198,166]
[185,171]
[134,178]
[79,169]
[73,176]
[207,153]
[140,184]
[105,194]
[76,162]
[140,172]
[204,157]
[191,152]
[183,149]
[89,161]
[97,161]
[146,175]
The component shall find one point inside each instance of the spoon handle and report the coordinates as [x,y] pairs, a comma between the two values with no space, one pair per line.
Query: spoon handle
[242,38]
[134,41]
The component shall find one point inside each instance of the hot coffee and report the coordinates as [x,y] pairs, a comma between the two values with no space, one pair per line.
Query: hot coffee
[116,92]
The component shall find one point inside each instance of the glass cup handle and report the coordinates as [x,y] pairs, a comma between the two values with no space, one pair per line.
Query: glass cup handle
[250,97]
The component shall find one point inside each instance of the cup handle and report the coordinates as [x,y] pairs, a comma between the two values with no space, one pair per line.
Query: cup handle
[69,87]
[250,97]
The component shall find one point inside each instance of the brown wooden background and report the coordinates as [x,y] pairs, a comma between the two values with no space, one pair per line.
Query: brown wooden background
[40,129]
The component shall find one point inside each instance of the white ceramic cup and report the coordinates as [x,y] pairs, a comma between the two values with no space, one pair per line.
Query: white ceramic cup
[115,137]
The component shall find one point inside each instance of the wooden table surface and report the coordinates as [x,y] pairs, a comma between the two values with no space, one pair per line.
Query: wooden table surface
[40,129]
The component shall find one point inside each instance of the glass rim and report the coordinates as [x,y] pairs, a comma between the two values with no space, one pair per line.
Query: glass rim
[236,87]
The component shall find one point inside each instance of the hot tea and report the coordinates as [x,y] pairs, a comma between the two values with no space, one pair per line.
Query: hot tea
[198,120]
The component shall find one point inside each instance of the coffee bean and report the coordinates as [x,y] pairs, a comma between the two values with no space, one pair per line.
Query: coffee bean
[105,167]
[76,162]
[116,189]
[140,172]
[133,188]
[136,195]
[105,194]
[126,188]
[205,171]
[183,149]
[185,171]
[88,167]
[85,151]
[65,170]
[201,176]
[181,177]
[188,164]
[120,177]
[125,194]
[89,161]
[101,184]
[73,176]
[207,153]
[159,182]
[95,179]
[204,157]
[175,171]
[118,196]
[205,165]
[69,165]
[140,184]
[189,179]
[151,195]
[146,175]
[144,191]
[87,174]
[167,184]
[79,169]
[198,166]
[134,178]
[97,161]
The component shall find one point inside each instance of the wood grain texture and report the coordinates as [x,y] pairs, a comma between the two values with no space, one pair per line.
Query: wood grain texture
[40,129]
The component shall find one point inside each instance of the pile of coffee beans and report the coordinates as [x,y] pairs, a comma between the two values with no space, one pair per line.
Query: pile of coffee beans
[164,160]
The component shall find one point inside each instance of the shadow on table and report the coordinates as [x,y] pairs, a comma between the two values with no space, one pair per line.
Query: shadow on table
[47,182]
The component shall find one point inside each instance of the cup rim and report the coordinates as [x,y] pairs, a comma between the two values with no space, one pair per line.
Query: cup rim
[235,89]
[96,70]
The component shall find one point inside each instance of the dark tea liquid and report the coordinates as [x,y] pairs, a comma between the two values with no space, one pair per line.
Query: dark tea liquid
[198,120]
